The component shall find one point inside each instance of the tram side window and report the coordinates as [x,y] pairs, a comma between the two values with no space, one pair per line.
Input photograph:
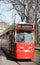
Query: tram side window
[13,37]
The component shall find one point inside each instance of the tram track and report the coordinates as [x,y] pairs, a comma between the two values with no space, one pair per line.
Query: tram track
[26,62]
[18,63]
[36,59]
[35,62]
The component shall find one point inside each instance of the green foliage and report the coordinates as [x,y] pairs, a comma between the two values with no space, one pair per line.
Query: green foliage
[37,52]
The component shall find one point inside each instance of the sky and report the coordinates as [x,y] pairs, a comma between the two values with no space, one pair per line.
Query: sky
[8,14]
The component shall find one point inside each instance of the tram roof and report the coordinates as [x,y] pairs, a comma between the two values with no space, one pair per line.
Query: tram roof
[12,28]
[8,29]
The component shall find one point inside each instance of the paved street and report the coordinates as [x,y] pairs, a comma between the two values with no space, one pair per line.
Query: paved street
[5,61]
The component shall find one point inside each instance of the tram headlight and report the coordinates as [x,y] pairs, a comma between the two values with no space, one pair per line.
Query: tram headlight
[30,47]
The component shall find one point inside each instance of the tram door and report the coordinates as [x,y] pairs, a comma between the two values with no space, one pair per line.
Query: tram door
[11,42]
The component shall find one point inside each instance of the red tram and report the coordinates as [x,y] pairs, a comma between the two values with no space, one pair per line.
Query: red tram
[21,41]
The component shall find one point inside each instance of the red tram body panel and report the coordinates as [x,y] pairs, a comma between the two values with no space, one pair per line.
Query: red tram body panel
[24,50]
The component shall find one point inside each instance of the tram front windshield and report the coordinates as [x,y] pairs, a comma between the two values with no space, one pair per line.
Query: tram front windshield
[24,36]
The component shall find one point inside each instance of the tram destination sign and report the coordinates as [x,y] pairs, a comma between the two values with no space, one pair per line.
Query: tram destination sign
[25,26]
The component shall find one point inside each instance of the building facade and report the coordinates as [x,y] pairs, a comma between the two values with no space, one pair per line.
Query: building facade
[3,26]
